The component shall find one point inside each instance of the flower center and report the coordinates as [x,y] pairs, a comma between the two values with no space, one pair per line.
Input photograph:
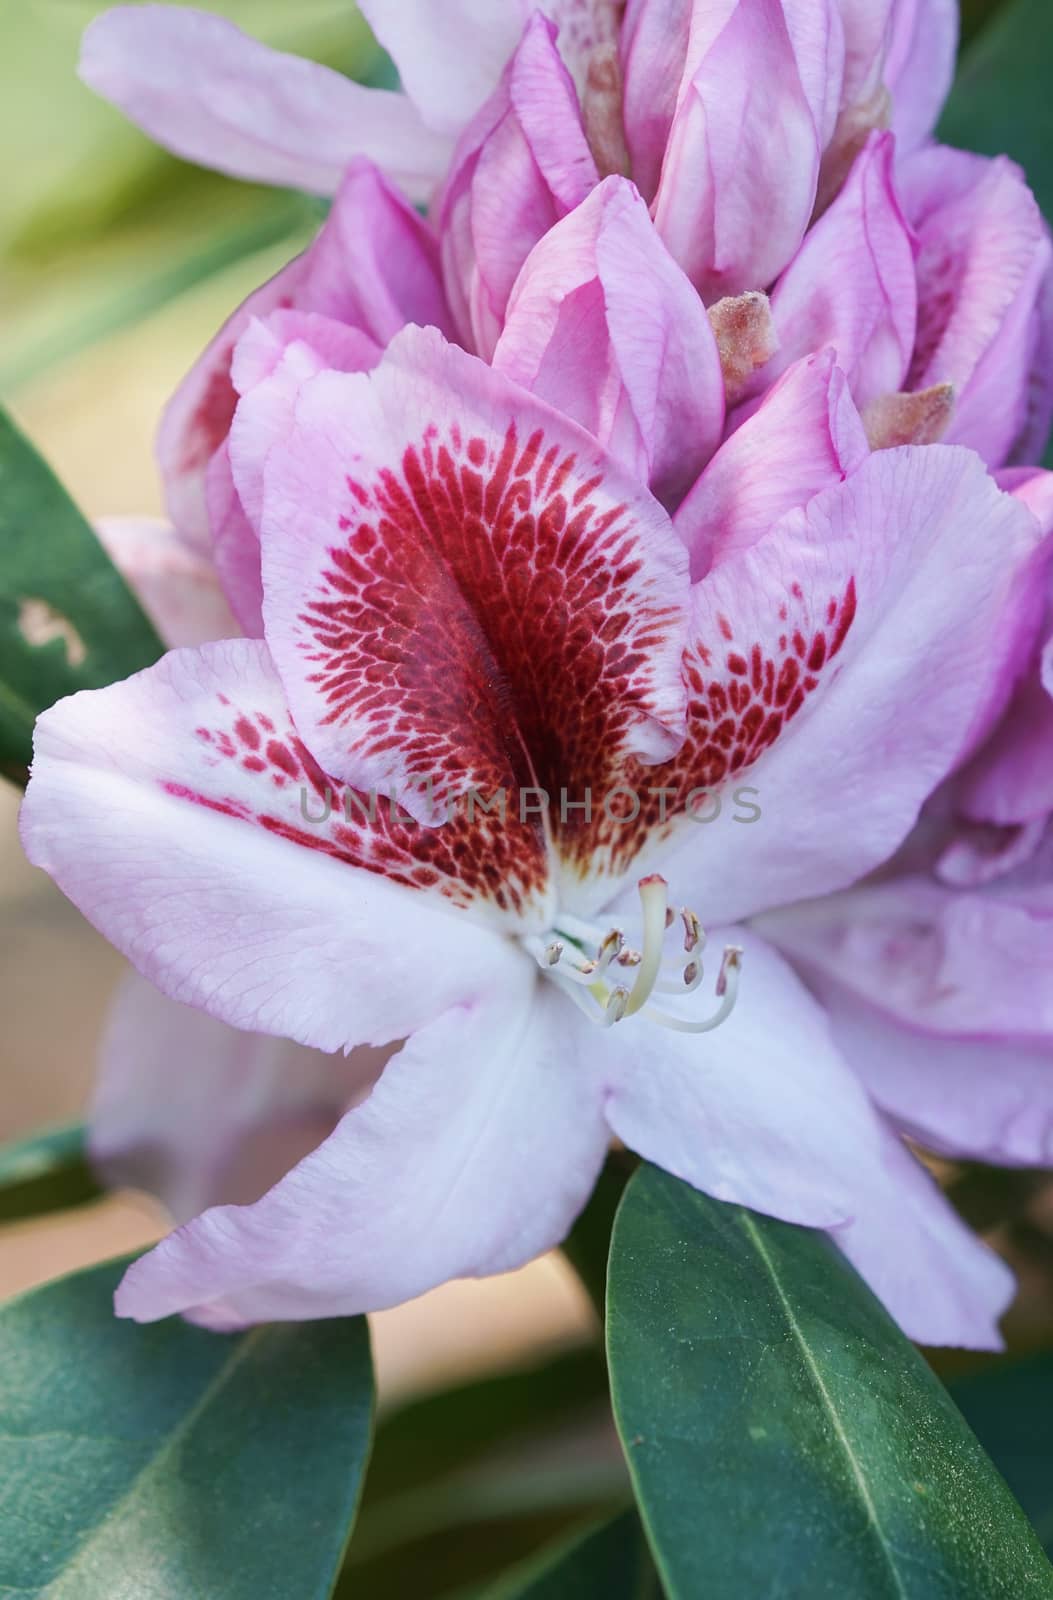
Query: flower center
[610,980]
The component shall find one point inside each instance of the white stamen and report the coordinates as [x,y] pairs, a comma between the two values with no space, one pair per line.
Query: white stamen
[654,897]
[575,970]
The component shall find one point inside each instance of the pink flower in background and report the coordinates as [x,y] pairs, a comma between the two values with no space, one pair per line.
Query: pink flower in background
[460,583]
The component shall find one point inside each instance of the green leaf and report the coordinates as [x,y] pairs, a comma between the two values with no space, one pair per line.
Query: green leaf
[170,1462]
[1001,102]
[68,620]
[783,1436]
[1009,1407]
[609,1561]
[49,1172]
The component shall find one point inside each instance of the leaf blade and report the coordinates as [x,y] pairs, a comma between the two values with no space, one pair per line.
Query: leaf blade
[777,1393]
[68,620]
[217,1465]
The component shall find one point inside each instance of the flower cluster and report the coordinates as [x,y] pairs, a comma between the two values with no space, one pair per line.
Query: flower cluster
[683,445]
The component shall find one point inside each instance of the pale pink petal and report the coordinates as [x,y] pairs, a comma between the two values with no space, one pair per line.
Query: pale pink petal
[450,54]
[844,665]
[654,47]
[374,266]
[867,28]
[174,583]
[177,811]
[983,263]
[208,92]
[460,590]
[942,1284]
[604,325]
[200,1114]
[806,436]
[522,163]
[946,961]
[919,66]
[851,284]
[235,544]
[762,1111]
[739,177]
[473,1154]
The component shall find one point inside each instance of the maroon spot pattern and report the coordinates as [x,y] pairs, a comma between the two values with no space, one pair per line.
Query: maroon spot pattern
[485,618]
[482,859]
[742,696]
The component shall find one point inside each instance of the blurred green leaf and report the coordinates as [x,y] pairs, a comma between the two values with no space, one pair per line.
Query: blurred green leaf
[609,1561]
[467,1480]
[1009,1408]
[1001,102]
[759,1385]
[169,1462]
[440,1433]
[68,621]
[49,1172]
[588,1245]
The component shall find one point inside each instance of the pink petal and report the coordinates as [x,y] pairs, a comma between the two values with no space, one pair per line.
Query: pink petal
[374,266]
[851,284]
[461,589]
[211,94]
[919,66]
[172,580]
[180,812]
[523,163]
[739,177]
[983,263]
[473,1154]
[449,53]
[944,961]
[604,325]
[844,665]
[198,1113]
[805,437]
[654,48]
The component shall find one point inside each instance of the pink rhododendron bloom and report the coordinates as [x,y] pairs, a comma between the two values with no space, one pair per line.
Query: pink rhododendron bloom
[461,585]
[699,510]
[752,132]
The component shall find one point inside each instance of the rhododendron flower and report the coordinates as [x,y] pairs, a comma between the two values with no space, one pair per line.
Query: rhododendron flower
[465,597]
[751,130]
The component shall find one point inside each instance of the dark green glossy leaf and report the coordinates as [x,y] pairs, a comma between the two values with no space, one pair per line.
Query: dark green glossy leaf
[784,1438]
[1009,1408]
[167,1462]
[67,619]
[610,1562]
[49,1172]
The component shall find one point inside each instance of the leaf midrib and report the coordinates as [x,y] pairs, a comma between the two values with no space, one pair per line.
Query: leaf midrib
[840,1433]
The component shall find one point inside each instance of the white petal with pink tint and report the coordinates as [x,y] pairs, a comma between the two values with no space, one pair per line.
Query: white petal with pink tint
[883,618]
[449,53]
[473,1154]
[211,94]
[200,1114]
[170,809]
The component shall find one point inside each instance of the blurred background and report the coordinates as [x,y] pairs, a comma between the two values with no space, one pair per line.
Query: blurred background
[117,264]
